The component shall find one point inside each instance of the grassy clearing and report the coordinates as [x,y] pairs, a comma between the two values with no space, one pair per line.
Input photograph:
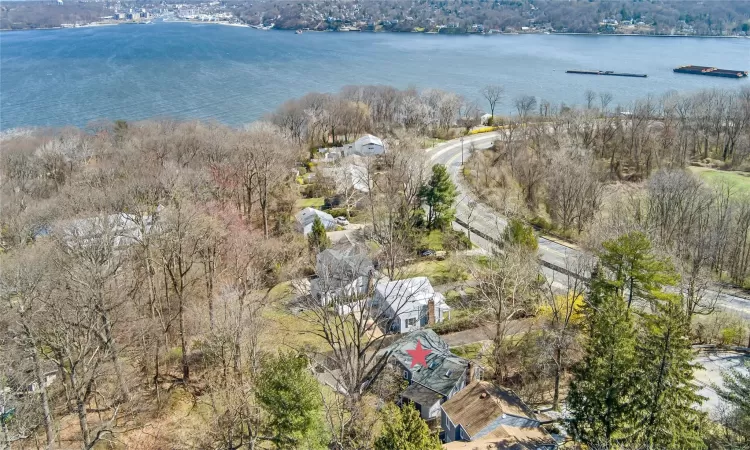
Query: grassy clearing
[431,142]
[468,351]
[739,180]
[438,272]
[316,202]
[285,329]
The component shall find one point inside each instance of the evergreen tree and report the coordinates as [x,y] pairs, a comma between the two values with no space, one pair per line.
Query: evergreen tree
[599,394]
[290,397]
[736,392]
[318,240]
[404,429]
[439,194]
[637,272]
[518,233]
[665,399]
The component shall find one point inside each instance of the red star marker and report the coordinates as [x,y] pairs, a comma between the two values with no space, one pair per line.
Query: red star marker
[419,354]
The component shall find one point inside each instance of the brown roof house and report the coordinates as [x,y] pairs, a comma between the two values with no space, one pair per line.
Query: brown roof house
[485,416]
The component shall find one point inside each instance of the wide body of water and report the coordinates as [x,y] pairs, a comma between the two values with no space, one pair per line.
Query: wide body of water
[235,75]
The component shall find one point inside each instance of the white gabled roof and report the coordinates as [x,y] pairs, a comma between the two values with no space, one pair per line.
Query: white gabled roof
[409,294]
[367,139]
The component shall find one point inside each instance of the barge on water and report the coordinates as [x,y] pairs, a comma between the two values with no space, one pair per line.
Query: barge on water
[607,72]
[711,71]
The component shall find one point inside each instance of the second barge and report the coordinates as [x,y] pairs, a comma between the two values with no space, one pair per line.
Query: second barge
[607,72]
[711,71]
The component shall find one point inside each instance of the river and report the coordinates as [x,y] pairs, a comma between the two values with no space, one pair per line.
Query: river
[235,75]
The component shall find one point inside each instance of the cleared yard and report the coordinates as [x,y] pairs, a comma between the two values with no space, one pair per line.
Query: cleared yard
[316,202]
[437,271]
[283,329]
[739,180]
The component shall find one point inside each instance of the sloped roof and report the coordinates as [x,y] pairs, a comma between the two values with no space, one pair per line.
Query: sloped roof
[367,140]
[444,369]
[350,259]
[306,217]
[421,395]
[121,228]
[406,295]
[340,268]
[497,416]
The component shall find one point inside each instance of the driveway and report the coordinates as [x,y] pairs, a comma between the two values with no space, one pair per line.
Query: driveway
[486,332]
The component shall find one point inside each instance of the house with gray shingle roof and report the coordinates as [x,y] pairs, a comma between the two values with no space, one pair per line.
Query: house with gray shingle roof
[306,217]
[443,377]
[344,273]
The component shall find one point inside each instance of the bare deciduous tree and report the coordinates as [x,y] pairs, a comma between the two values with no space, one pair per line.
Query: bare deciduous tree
[493,94]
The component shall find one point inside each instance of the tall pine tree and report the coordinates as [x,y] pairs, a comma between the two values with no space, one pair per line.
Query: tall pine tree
[636,271]
[317,239]
[666,399]
[439,194]
[600,392]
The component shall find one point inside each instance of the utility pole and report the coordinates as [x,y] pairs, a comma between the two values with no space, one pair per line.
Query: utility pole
[462,150]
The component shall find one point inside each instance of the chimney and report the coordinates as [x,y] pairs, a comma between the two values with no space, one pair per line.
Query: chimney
[431,311]
[471,373]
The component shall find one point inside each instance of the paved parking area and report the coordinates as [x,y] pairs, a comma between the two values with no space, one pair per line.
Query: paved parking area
[716,363]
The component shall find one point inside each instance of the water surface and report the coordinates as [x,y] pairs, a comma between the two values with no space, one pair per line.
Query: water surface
[235,75]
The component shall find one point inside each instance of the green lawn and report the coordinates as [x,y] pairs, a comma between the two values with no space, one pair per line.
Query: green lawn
[468,351]
[316,202]
[438,272]
[283,329]
[739,180]
[431,142]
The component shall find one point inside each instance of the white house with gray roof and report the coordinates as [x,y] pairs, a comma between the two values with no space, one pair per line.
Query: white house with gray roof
[367,145]
[306,218]
[410,304]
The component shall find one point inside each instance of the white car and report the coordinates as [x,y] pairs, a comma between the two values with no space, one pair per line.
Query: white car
[342,221]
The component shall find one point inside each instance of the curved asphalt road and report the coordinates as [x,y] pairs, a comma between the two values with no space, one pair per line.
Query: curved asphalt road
[486,220]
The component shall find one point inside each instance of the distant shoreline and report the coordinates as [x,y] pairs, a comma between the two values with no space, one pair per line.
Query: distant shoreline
[255,27]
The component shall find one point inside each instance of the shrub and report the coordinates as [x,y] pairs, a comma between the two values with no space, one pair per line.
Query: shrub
[455,240]
[333,202]
[455,325]
[341,212]
[518,233]
[541,222]
[482,130]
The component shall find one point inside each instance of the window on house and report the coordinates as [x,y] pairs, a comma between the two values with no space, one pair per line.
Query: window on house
[406,374]
[411,322]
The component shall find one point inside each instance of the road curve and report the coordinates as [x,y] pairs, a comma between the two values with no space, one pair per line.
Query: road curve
[490,222]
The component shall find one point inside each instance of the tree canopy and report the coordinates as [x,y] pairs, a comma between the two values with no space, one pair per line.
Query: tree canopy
[290,396]
[439,194]
[318,239]
[404,429]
